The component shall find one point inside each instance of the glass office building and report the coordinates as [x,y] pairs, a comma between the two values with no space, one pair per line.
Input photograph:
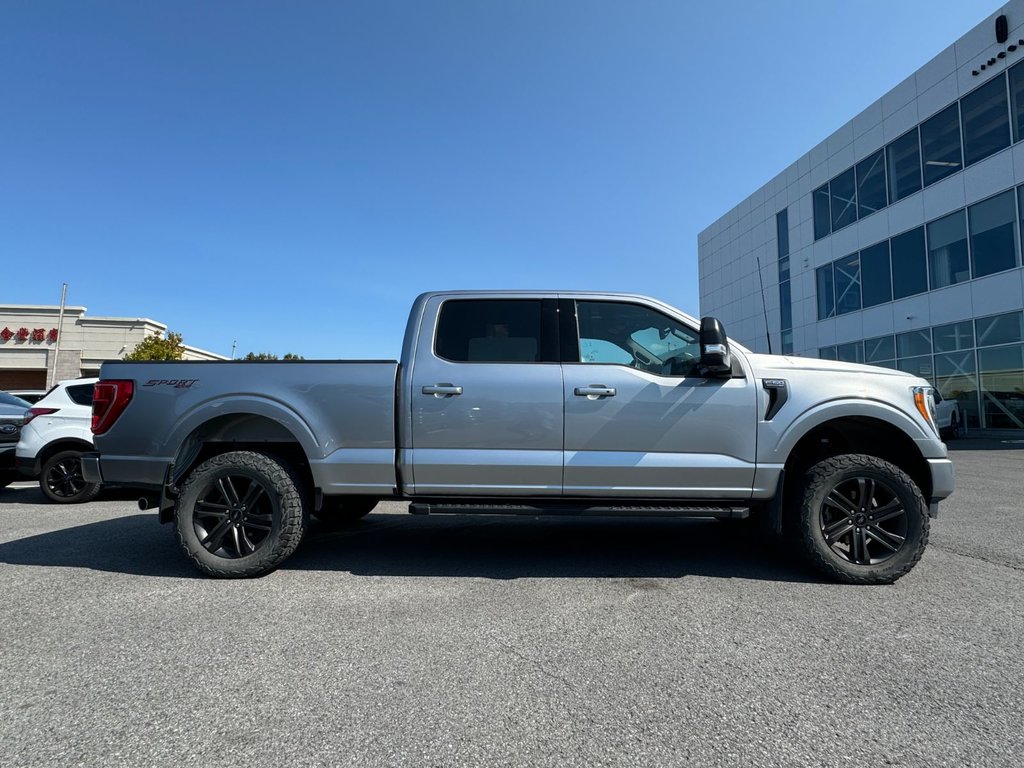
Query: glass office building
[897,240]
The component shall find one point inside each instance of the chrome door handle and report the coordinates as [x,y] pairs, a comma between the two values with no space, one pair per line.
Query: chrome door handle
[595,390]
[442,390]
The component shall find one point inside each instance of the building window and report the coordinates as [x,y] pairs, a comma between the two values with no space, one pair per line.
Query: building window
[785,307]
[843,189]
[782,231]
[787,342]
[1000,329]
[871,194]
[826,292]
[947,251]
[919,366]
[850,353]
[904,159]
[914,343]
[953,337]
[822,213]
[876,277]
[879,349]
[1017,100]
[909,264]
[1002,386]
[986,121]
[955,378]
[827,353]
[993,225]
[847,284]
[940,145]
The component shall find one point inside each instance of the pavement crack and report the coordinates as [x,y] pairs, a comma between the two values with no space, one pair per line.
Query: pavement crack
[540,668]
[958,553]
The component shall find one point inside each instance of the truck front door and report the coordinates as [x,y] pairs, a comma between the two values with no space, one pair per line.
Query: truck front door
[639,421]
[486,400]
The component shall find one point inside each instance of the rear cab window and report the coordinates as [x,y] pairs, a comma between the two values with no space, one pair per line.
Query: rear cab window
[493,331]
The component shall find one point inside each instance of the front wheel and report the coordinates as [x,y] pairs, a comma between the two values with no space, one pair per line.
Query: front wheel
[861,520]
[61,479]
[240,514]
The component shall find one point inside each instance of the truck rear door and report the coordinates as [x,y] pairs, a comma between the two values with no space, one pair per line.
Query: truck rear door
[486,399]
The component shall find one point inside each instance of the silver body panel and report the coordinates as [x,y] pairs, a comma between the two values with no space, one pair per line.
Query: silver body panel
[507,429]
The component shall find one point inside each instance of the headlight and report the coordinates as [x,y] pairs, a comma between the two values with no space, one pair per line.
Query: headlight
[924,400]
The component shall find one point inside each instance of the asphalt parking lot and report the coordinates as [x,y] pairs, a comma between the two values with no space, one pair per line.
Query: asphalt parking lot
[494,641]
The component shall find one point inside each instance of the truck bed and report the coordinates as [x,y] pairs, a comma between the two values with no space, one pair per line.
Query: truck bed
[341,412]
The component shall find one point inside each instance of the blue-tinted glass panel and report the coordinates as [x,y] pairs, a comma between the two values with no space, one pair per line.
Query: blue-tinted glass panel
[875,274]
[785,306]
[909,270]
[879,349]
[787,342]
[827,353]
[953,337]
[844,199]
[940,145]
[993,224]
[850,353]
[871,194]
[1002,386]
[948,263]
[782,231]
[822,212]
[904,160]
[913,343]
[1017,100]
[847,277]
[919,366]
[955,379]
[1000,329]
[826,292]
[986,120]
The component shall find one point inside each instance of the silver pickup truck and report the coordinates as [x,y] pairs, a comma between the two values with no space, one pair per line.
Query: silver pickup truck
[531,403]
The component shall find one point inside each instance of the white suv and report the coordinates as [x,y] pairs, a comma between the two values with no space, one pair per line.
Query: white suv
[56,432]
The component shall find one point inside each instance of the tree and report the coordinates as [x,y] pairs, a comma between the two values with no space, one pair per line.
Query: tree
[156,347]
[271,356]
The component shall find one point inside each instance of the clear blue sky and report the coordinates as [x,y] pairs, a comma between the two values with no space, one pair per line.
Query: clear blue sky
[292,174]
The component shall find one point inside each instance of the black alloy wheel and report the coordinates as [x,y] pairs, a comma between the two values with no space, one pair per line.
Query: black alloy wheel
[241,514]
[61,479]
[233,516]
[863,521]
[860,519]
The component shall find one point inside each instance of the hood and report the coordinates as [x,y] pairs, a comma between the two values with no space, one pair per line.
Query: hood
[777,365]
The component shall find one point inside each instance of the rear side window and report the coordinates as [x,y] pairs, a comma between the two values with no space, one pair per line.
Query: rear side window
[489,331]
[81,394]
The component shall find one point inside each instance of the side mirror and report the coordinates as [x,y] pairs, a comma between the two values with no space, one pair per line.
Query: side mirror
[715,360]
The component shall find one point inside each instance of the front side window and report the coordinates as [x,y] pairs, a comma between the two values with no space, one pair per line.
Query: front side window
[640,337]
[489,331]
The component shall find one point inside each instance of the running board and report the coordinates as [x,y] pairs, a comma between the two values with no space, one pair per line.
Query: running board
[581,509]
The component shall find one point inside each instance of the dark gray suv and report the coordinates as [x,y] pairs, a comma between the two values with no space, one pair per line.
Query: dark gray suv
[12,415]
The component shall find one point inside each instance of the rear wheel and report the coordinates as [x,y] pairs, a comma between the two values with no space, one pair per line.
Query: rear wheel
[240,514]
[861,520]
[61,479]
[345,509]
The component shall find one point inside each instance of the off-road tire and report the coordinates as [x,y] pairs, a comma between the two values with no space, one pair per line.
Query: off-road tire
[338,510]
[850,471]
[283,505]
[61,481]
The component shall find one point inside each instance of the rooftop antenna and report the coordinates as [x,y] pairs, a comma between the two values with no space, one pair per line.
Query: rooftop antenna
[764,305]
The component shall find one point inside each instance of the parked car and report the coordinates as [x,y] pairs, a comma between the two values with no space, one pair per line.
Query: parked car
[12,416]
[56,432]
[948,417]
[30,396]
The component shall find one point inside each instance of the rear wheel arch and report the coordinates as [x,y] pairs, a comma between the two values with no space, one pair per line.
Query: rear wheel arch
[59,446]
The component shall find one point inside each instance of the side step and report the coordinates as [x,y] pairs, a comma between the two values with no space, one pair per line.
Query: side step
[580,509]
